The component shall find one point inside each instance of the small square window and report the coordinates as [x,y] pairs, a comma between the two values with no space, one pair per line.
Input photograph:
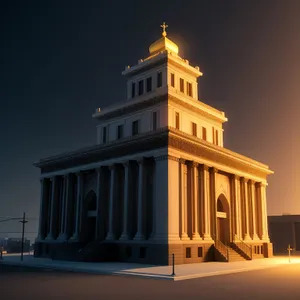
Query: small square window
[143,252]
[159,79]
[200,252]
[135,127]
[149,84]
[188,252]
[172,80]
[128,251]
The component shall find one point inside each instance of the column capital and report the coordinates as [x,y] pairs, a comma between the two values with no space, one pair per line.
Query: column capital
[195,164]
[203,167]
[112,167]
[251,182]
[78,173]
[66,176]
[98,169]
[243,180]
[234,177]
[182,160]
[260,184]
[213,170]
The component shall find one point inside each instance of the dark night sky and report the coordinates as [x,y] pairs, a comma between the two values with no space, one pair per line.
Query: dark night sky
[60,61]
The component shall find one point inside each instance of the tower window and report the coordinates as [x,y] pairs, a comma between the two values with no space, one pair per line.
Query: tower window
[194,129]
[141,87]
[213,135]
[149,84]
[181,85]
[189,89]
[154,120]
[204,133]
[120,132]
[132,89]
[177,120]
[217,137]
[172,80]
[104,135]
[135,127]
[159,79]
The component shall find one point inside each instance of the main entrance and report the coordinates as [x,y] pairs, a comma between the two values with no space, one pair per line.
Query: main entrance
[222,214]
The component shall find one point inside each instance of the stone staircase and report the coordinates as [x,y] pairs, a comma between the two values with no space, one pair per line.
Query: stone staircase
[232,252]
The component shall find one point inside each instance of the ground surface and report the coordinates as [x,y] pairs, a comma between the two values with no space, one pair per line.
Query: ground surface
[26,283]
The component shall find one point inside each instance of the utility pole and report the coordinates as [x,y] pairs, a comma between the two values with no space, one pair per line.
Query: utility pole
[23,221]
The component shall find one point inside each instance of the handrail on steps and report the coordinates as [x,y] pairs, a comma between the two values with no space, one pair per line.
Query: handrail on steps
[244,247]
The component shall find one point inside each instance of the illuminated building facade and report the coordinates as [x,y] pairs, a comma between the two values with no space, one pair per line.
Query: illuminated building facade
[158,182]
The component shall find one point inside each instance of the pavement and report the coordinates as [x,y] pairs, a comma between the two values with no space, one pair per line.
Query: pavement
[182,272]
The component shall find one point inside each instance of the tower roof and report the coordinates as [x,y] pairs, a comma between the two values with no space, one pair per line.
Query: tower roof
[163,43]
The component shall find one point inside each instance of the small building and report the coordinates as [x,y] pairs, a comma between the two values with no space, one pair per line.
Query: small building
[284,231]
[14,245]
[159,180]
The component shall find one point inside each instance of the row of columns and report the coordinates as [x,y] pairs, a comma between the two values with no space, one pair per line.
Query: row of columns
[70,203]
[197,204]
[247,210]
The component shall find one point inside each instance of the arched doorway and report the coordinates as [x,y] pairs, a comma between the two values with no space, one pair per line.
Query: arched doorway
[91,205]
[222,214]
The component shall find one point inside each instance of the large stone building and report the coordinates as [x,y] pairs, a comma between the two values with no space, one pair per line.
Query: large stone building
[158,181]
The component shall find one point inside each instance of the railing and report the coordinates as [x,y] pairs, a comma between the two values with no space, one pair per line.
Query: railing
[222,248]
[242,246]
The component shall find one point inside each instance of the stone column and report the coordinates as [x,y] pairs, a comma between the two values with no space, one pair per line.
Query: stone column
[253,213]
[99,195]
[205,203]
[127,191]
[112,191]
[68,205]
[183,200]
[245,208]
[235,206]
[161,199]
[213,211]
[62,235]
[79,176]
[195,199]
[140,230]
[262,205]
[53,209]
[43,208]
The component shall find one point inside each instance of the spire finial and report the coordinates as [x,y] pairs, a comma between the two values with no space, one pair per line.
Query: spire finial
[164,26]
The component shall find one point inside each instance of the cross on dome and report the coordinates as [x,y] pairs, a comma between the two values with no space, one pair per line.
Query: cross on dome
[164,26]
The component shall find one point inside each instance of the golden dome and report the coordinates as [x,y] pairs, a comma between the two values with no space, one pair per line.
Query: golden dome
[163,43]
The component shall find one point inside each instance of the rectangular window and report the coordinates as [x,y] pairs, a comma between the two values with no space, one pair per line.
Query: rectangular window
[154,120]
[213,135]
[204,133]
[120,131]
[104,135]
[188,253]
[141,87]
[217,137]
[172,80]
[189,90]
[177,120]
[135,127]
[159,79]
[133,90]
[194,129]
[149,84]
[200,252]
[181,85]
